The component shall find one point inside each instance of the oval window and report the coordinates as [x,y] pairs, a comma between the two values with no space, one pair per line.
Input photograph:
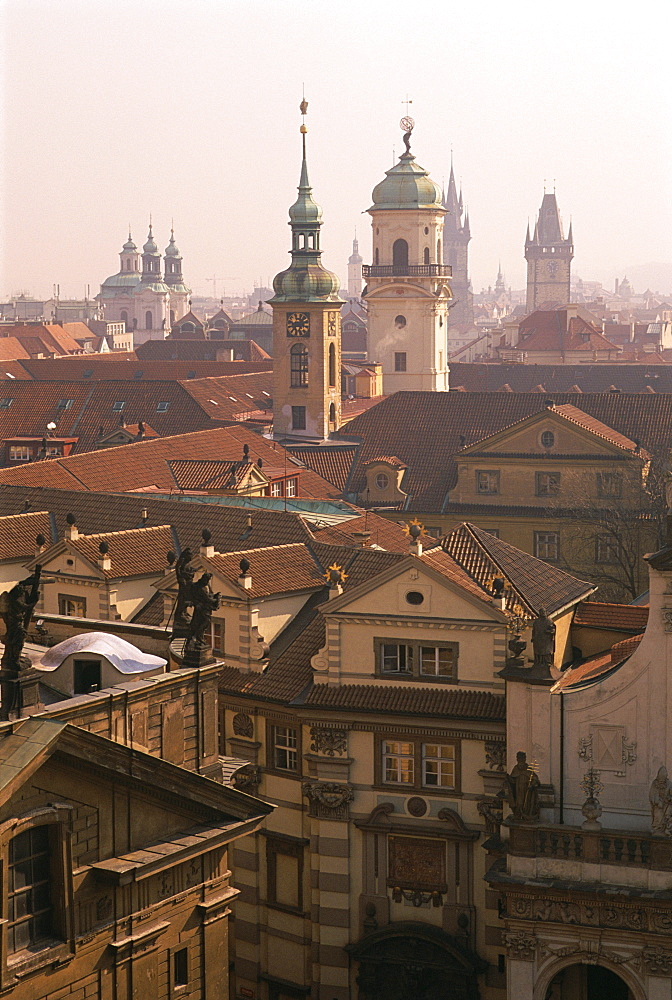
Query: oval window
[415,597]
[400,321]
[382,481]
[548,439]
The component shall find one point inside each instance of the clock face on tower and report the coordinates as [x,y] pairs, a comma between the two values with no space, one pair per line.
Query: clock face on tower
[298,324]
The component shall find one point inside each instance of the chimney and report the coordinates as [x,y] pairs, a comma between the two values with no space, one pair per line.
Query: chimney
[245,578]
[104,562]
[362,537]
[71,532]
[144,516]
[206,548]
[40,544]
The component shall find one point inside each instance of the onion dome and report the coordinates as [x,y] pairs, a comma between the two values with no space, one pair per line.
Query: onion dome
[305,280]
[129,245]
[407,185]
[172,250]
[150,246]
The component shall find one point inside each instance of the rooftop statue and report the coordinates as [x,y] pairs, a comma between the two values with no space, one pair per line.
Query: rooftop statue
[16,610]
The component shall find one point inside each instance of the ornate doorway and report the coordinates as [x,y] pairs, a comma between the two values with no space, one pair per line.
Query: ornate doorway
[413,961]
[588,982]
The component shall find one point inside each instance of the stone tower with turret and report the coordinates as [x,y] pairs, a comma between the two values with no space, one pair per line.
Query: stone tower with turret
[456,237]
[306,329]
[407,289]
[549,258]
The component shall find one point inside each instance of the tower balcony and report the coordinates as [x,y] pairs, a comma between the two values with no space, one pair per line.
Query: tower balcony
[407,270]
[626,848]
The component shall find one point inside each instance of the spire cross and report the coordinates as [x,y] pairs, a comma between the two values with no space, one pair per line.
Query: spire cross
[407,102]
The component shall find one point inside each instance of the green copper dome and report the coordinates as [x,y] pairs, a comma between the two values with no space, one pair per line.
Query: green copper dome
[150,246]
[407,185]
[172,250]
[305,280]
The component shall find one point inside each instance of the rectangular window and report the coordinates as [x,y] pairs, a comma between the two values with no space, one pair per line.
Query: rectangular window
[398,762]
[395,658]
[606,549]
[547,484]
[19,453]
[118,405]
[284,872]
[609,484]
[284,748]
[547,545]
[180,968]
[437,660]
[438,765]
[29,908]
[290,488]
[74,607]
[414,763]
[298,418]
[276,489]
[400,361]
[217,635]
[487,481]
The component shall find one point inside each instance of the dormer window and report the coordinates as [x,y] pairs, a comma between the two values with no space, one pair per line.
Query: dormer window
[382,481]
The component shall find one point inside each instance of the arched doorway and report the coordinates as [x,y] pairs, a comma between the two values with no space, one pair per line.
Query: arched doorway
[400,256]
[588,982]
[414,961]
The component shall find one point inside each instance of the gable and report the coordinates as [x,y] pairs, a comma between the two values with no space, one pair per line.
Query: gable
[529,437]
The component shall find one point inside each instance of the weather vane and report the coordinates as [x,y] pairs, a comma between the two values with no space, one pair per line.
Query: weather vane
[407,125]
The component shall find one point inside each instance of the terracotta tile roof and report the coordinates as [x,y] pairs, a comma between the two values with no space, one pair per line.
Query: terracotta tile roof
[490,376]
[382,532]
[145,464]
[94,367]
[202,350]
[332,463]
[447,566]
[390,460]
[209,475]
[18,533]
[10,370]
[150,613]
[529,581]
[276,569]
[233,528]
[449,703]
[598,667]
[138,552]
[585,420]
[554,330]
[619,617]
[11,348]
[55,338]
[425,430]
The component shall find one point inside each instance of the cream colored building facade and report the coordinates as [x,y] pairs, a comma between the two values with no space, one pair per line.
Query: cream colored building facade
[407,291]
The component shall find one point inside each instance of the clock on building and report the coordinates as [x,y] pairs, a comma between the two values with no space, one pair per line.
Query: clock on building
[298,324]
[332,324]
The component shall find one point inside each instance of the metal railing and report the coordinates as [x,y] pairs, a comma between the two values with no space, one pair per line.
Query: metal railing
[407,270]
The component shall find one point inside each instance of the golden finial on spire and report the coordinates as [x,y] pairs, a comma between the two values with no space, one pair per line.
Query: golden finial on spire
[303,108]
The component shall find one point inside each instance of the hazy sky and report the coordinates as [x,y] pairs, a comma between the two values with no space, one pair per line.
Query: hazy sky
[189,110]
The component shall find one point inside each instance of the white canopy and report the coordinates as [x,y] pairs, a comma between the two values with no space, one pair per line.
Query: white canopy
[124,656]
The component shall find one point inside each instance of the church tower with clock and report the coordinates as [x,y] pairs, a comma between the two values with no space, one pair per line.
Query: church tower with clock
[306,329]
[407,285]
[549,257]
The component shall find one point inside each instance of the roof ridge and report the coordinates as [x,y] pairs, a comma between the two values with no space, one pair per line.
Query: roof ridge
[122,531]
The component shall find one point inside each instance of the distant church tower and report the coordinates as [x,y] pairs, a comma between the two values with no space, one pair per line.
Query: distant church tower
[407,288]
[306,329]
[456,237]
[549,258]
[355,262]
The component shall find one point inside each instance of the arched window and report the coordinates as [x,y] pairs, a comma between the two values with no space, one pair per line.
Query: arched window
[172,316]
[376,256]
[298,357]
[400,256]
[188,328]
[148,320]
[438,251]
[332,413]
[128,265]
[332,366]
[124,316]
[426,255]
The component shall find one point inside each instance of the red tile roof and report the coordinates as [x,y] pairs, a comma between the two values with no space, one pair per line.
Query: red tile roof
[381,532]
[138,552]
[598,667]
[559,378]
[94,367]
[277,569]
[426,429]
[145,464]
[332,463]
[554,330]
[18,533]
[407,699]
[616,617]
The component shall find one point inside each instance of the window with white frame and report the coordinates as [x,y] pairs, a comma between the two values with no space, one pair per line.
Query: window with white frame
[398,762]
[437,660]
[418,763]
[19,453]
[284,748]
[290,488]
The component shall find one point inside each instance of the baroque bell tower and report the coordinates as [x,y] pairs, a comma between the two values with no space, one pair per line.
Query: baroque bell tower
[306,328]
[408,291]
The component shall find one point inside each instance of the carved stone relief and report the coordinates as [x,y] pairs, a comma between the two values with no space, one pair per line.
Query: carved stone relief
[657,961]
[247,778]
[520,945]
[495,755]
[330,742]
[243,725]
[328,799]
[660,801]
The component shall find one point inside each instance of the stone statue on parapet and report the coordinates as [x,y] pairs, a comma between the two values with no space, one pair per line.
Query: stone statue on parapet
[204,602]
[16,610]
[522,790]
[660,800]
[543,639]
